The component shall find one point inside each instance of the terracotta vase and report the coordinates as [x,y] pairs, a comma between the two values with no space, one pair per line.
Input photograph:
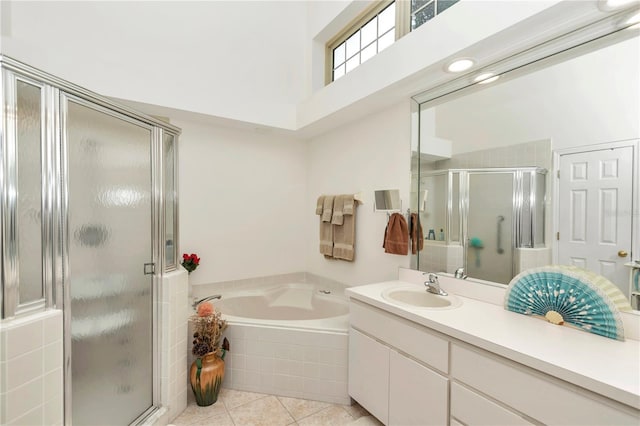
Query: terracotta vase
[206,378]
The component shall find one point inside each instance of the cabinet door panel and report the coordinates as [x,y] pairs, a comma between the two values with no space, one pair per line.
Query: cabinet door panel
[369,374]
[417,395]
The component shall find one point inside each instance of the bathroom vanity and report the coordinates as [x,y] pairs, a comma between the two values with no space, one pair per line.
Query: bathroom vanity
[477,363]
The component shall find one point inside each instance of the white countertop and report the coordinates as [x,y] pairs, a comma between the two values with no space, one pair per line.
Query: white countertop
[602,365]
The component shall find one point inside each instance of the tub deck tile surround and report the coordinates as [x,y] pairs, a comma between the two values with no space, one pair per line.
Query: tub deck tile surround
[293,363]
[238,408]
[279,357]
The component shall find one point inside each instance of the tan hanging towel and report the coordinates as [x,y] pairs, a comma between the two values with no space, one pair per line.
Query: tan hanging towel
[344,238]
[327,208]
[338,205]
[417,236]
[326,238]
[349,204]
[396,235]
[326,229]
[319,205]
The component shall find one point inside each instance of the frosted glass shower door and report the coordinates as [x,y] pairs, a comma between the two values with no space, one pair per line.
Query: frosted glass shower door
[110,240]
[489,251]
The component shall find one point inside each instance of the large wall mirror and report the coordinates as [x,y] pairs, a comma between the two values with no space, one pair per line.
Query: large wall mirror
[539,166]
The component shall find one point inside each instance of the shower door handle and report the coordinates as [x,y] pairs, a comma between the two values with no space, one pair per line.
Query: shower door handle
[149,268]
[500,250]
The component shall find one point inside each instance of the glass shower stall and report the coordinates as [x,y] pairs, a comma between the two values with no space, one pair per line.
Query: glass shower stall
[478,219]
[87,204]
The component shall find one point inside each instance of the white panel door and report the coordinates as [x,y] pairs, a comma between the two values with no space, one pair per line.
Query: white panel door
[595,202]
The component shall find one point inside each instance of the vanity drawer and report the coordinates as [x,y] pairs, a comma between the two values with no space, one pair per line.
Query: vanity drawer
[409,337]
[473,409]
[534,394]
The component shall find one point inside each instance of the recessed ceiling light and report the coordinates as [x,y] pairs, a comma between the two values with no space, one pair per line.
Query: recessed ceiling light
[487,77]
[461,64]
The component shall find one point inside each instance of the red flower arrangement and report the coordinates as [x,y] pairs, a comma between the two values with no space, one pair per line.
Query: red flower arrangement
[190,262]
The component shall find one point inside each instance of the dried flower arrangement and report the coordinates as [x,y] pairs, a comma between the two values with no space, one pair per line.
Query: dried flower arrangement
[208,329]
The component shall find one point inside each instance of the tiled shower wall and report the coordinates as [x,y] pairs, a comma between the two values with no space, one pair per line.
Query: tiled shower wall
[536,153]
[527,258]
[31,360]
[31,370]
[175,311]
[439,257]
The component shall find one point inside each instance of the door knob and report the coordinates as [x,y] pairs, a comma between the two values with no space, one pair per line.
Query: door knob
[622,253]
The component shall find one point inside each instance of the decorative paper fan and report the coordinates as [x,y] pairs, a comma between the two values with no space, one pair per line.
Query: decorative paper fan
[569,294]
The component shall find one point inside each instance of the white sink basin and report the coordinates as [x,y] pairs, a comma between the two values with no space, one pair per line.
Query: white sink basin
[417,297]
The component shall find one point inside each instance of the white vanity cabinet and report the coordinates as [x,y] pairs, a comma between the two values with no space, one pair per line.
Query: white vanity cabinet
[405,373]
[536,395]
[390,375]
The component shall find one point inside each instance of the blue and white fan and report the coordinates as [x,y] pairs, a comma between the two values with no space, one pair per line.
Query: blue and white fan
[567,294]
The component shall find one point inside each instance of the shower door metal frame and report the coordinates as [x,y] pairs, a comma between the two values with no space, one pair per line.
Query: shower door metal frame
[10,304]
[166,266]
[155,191]
[518,194]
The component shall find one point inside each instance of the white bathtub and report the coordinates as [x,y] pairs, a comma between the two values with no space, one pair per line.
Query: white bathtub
[287,339]
[298,305]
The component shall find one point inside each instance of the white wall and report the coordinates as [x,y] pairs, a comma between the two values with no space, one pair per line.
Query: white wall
[372,153]
[242,60]
[242,195]
[259,61]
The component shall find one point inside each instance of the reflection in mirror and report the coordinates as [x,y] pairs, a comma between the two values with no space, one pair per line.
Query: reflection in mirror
[387,199]
[576,115]
[501,222]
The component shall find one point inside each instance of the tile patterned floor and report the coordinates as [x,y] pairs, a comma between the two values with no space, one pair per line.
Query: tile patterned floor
[237,408]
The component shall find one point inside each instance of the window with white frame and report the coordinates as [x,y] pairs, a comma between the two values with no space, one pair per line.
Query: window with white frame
[373,37]
[378,29]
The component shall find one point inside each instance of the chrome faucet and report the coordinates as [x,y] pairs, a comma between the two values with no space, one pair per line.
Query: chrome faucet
[460,274]
[196,302]
[433,285]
